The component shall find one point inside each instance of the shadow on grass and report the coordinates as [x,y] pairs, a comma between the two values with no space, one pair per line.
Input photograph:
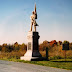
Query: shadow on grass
[61,61]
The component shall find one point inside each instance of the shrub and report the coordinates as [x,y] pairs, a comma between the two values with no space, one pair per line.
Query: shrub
[55,57]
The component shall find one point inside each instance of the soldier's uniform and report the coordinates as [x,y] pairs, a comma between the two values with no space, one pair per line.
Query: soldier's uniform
[33,21]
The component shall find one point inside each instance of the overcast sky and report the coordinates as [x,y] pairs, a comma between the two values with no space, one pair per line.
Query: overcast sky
[54,19]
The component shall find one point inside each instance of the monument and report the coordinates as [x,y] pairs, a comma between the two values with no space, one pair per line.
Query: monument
[33,41]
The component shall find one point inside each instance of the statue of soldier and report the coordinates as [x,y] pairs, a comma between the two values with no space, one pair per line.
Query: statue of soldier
[33,20]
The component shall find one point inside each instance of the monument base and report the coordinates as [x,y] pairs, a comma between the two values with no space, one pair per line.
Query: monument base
[32,47]
[31,56]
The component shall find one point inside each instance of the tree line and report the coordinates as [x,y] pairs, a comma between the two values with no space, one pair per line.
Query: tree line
[15,47]
[21,47]
[17,50]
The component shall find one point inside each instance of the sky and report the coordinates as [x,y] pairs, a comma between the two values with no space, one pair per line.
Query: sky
[54,20]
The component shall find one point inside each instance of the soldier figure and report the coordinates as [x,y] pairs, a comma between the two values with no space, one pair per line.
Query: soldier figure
[33,19]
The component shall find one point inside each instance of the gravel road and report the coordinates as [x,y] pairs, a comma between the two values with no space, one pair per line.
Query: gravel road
[8,66]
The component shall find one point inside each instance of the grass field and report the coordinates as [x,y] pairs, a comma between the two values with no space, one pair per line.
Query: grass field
[60,63]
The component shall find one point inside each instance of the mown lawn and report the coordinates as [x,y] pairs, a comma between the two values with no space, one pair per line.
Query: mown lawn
[60,63]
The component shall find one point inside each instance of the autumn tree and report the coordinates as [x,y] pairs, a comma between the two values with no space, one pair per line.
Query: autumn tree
[44,45]
[53,42]
[70,46]
[23,47]
[16,46]
[4,47]
[0,47]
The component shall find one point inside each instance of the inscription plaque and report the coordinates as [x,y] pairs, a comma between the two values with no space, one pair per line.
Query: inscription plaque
[29,45]
[65,46]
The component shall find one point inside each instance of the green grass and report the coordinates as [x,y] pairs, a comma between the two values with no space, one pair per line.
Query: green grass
[60,63]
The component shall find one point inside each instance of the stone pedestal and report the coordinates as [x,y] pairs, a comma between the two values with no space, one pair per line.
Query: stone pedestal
[32,47]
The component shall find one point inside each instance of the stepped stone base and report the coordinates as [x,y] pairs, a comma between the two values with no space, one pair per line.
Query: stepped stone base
[32,47]
[29,56]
